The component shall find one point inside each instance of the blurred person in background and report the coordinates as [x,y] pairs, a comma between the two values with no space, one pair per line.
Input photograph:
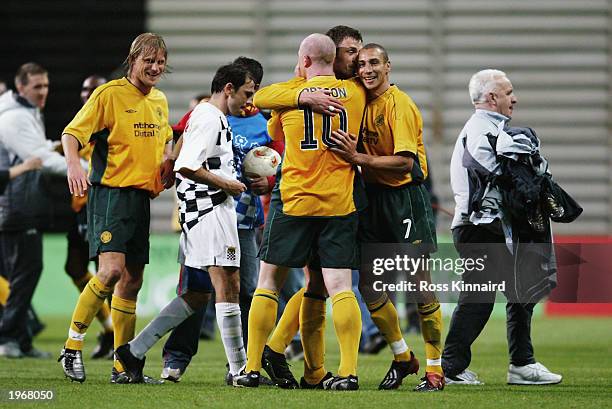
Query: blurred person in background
[22,136]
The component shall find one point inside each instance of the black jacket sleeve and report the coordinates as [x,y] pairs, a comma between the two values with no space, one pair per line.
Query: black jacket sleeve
[4,179]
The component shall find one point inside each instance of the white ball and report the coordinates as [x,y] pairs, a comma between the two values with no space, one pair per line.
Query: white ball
[261,161]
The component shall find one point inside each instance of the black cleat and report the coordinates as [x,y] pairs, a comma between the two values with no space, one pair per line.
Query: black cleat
[246,380]
[123,378]
[132,365]
[374,345]
[104,349]
[340,383]
[431,382]
[306,385]
[263,380]
[277,367]
[398,371]
[72,364]
[119,377]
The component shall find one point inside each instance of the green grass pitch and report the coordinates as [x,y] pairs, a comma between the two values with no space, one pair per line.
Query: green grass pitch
[579,349]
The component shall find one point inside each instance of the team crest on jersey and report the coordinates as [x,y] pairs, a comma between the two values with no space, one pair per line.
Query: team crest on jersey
[231,253]
[106,237]
[380,120]
[159,112]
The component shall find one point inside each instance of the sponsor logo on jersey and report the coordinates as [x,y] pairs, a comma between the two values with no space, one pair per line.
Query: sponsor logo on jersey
[130,111]
[145,129]
[380,120]
[369,137]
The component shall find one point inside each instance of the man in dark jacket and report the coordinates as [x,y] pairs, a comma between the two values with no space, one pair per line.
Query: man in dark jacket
[480,228]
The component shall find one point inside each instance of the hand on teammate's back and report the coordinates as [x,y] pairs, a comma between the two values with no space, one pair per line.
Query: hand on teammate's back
[346,145]
[320,102]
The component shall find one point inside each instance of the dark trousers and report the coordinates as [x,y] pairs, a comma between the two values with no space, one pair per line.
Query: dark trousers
[474,309]
[182,344]
[21,263]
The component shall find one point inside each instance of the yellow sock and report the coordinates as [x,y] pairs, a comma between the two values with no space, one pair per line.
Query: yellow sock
[5,290]
[347,322]
[123,313]
[312,328]
[430,316]
[385,317]
[90,301]
[104,312]
[262,317]
[288,325]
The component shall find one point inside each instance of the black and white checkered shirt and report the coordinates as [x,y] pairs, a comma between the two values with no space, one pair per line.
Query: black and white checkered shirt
[207,143]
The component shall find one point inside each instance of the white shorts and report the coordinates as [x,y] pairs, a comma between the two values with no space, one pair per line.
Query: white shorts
[213,241]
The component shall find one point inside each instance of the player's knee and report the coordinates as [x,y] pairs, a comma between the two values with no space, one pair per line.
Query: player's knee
[196,299]
[110,274]
[268,277]
[131,284]
[337,280]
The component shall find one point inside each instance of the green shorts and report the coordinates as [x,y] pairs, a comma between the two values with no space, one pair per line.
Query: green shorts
[118,221]
[294,241]
[398,215]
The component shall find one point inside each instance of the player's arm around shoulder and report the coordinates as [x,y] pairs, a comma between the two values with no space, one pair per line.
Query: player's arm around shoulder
[279,95]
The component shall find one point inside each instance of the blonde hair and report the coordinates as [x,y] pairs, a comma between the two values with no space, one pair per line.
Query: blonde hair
[145,43]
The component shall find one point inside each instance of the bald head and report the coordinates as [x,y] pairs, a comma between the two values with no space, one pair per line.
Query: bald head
[319,48]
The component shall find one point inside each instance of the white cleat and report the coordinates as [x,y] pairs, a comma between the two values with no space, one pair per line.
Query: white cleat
[532,374]
[171,374]
[466,377]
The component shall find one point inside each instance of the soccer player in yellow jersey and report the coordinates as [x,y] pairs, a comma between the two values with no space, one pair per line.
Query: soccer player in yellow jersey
[128,120]
[394,166]
[306,309]
[310,216]
[77,259]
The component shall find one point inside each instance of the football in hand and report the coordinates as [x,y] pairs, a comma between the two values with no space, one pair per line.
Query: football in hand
[261,161]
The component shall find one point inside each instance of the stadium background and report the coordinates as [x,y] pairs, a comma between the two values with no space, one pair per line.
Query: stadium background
[558,54]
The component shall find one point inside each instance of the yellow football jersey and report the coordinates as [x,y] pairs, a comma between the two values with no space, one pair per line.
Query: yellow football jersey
[314,180]
[392,123]
[130,131]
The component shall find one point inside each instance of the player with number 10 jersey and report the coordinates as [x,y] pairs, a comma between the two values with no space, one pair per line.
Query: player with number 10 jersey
[314,181]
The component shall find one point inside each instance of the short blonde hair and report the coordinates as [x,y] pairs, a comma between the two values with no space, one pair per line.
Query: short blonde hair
[483,82]
[145,43]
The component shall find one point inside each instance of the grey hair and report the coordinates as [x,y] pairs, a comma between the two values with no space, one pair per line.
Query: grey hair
[483,82]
